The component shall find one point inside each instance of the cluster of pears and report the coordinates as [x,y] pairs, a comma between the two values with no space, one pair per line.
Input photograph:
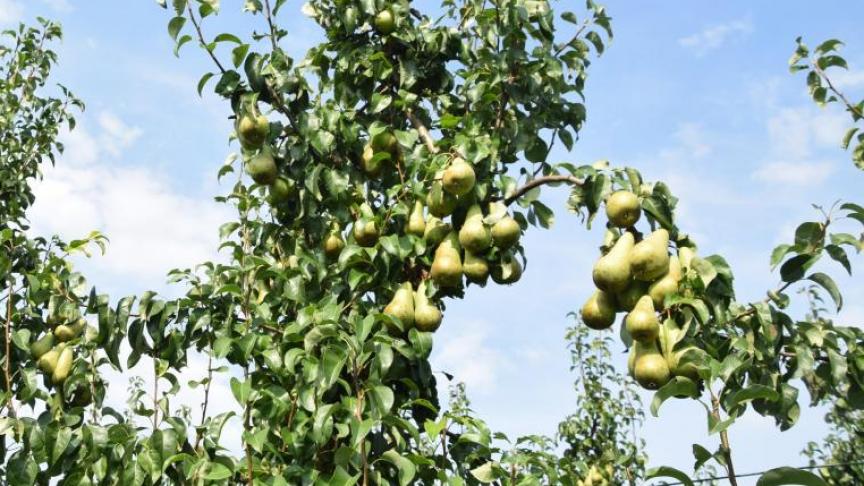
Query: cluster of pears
[597,477]
[414,309]
[635,277]
[253,132]
[53,351]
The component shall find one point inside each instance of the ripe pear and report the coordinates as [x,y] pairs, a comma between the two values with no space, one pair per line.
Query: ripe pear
[506,232]
[667,285]
[436,231]
[385,23]
[598,312]
[252,130]
[262,168]
[427,316]
[64,365]
[446,268]
[42,346]
[650,368]
[416,221]
[365,232]
[459,177]
[402,306]
[612,271]
[280,191]
[48,361]
[333,245]
[476,268]
[649,259]
[440,202]
[371,166]
[627,298]
[69,332]
[507,271]
[642,322]
[622,208]
[474,235]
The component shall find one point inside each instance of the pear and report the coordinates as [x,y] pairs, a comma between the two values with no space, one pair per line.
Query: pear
[446,268]
[42,346]
[385,142]
[622,208]
[459,177]
[667,285]
[427,316]
[474,235]
[440,202]
[384,22]
[416,221]
[642,322]
[506,232]
[612,271]
[507,271]
[402,306]
[649,259]
[252,130]
[333,245]
[475,268]
[686,255]
[370,165]
[436,231]
[69,332]
[280,191]
[598,312]
[48,361]
[262,168]
[650,368]
[64,365]
[365,232]
[627,298]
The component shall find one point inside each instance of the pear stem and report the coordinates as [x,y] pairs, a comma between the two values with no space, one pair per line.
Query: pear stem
[550,179]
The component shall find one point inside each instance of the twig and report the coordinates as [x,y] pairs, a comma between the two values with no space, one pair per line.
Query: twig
[201,37]
[8,367]
[423,131]
[725,449]
[575,36]
[268,14]
[204,405]
[849,106]
[550,179]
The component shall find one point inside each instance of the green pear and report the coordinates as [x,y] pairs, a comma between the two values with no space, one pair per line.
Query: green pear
[683,362]
[63,367]
[252,130]
[627,298]
[440,202]
[385,23]
[436,231]
[427,316]
[686,255]
[48,361]
[333,245]
[612,271]
[262,168]
[476,268]
[598,312]
[402,306]
[459,177]
[371,165]
[385,142]
[280,191]
[622,209]
[667,285]
[42,346]
[416,221]
[446,268]
[642,322]
[69,332]
[474,235]
[506,232]
[365,232]
[507,271]
[650,368]
[649,259]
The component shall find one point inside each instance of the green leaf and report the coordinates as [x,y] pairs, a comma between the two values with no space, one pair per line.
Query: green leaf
[175,25]
[405,467]
[828,284]
[238,54]
[828,46]
[226,37]
[794,268]
[752,392]
[669,472]
[217,471]
[241,390]
[847,138]
[789,475]
[677,387]
[203,82]
[380,102]
[484,473]
[779,252]
[838,254]
[832,61]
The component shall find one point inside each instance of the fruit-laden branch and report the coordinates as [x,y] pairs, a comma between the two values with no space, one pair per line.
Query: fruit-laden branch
[550,179]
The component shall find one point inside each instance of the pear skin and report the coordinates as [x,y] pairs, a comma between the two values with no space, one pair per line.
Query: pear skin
[622,209]
[650,368]
[508,271]
[667,285]
[401,306]
[612,271]
[627,298]
[446,268]
[436,231]
[64,365]
[416,221]
[42,346]
[440,202]
[642,322]
[598,312]
[427,316]
[476,268]
[459,177]
[474,235]
[649,259]
[333,245]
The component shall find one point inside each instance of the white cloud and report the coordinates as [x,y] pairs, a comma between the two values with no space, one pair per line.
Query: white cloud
[468,356]
[715,36]
[152,228]
[796,173]
[59,5]
[10,11]
[847,79]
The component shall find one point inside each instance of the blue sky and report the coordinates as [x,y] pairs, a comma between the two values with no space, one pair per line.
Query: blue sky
[694,93]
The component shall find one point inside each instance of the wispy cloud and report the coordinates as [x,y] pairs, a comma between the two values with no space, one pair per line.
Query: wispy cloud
[59,5]
[10,11]
[795,173]
[716,36]
[469,357]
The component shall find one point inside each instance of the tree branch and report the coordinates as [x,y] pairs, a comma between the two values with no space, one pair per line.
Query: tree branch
[725,449]
[849,106]
[201,37]
[550,179]
[423,131]
[7,369]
